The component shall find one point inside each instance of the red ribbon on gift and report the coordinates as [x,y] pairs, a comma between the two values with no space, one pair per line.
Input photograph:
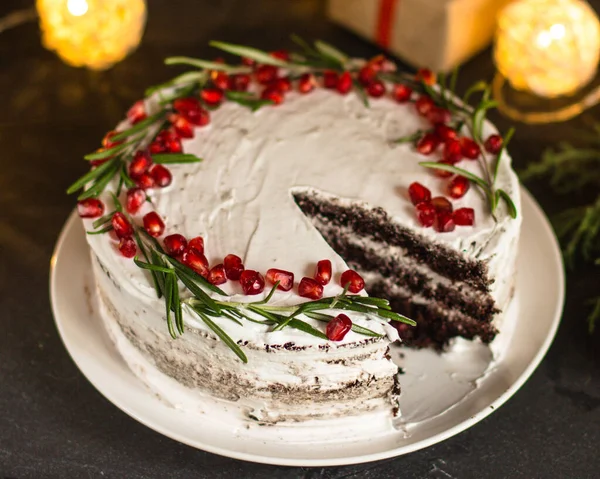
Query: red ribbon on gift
[384,22]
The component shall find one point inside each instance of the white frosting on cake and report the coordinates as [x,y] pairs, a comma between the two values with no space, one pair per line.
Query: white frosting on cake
[240,200]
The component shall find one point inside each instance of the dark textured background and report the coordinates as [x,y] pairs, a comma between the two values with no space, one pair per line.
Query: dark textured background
[54,424]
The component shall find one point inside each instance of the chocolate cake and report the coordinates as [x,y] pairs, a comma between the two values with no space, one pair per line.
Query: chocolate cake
[285,230]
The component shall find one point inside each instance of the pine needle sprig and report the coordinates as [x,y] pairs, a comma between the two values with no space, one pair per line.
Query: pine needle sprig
[575,169]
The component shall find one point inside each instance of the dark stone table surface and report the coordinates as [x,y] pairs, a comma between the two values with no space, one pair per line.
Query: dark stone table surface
[54,424]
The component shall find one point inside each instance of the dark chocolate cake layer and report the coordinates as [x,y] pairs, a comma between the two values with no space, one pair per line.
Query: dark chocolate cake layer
[446,294]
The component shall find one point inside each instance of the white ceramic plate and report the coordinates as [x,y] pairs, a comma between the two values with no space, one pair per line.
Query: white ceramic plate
[442,394]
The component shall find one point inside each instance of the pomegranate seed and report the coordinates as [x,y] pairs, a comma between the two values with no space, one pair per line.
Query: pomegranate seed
[438,115]
[216,275]
[199,117]
[307,83]
[426,76]
[309,288]
[445,133]
[140,164]
[239,82]
[183,105]
[425,214]
[464,217]
[424,104]
[195,260]
[401,93]
[323,272]
[330,79]
[121,225]
[127,247]
[338,327]
[283,84]
[191,110]
[418,193]
[249,62]
[344,84]
[443,173]
[265,74]
[161,175]
[458,187]
[220,60]
[233,266]
[493,144]
[183,127]
[452,152]
[212,96]
[285,278]
[354,279]
[252,282]
[378,62]
[366,75]
[107,142]
[145,181]
[197,243]
[135,200]
[175,244]
[444,223]
[281,55]
[174,146]
[90,208]
[165,136]
[220,79]
[376,89]
[157,147]
[441,204]
[153,224]
[469,148]
[427,144]
[137,112]
[272,94]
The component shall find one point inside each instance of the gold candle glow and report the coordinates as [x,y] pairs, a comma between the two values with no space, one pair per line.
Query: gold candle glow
[91,33]
[547,47]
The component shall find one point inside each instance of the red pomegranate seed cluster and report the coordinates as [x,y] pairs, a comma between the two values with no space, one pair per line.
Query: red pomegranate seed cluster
[438,211]
[444,139]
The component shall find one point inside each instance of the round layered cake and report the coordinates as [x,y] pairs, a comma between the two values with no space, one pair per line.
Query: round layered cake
[270,228]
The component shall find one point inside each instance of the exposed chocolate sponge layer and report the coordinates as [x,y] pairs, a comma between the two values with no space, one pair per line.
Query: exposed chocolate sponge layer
[376,224]
[459,306]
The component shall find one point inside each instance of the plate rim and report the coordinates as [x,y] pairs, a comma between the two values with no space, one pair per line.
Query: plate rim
[322,462]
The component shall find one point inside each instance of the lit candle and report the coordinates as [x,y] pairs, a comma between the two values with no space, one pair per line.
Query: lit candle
[548,47]
[92,33]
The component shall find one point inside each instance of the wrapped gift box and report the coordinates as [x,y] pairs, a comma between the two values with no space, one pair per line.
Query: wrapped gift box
[438,34]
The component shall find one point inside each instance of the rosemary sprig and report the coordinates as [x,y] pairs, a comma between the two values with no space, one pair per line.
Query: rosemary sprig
[493,195]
